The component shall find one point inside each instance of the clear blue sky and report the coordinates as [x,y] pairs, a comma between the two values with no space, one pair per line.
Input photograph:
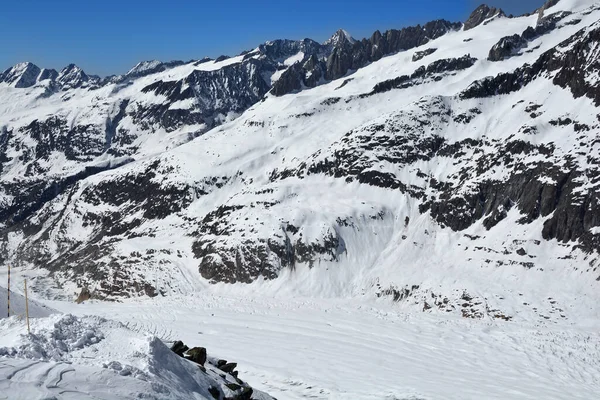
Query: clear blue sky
[109,36]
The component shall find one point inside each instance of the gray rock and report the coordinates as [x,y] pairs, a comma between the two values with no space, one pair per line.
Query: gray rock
[179,348]
[482,13]
[197,355]
[419,55]
[229,367]
[507,47]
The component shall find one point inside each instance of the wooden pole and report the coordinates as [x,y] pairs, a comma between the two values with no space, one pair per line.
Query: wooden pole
[27,308]
[8,292]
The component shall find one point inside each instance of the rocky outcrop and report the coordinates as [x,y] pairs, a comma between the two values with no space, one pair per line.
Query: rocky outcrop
[548,4]
[22,75]
[290,81]
[232,387]
[70,205]
[480,15]
[419,55]
[511,46]
[506,47]
[435,70]
[570,61]
[343,54]
[73,77]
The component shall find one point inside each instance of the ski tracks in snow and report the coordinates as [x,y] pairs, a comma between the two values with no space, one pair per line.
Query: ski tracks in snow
[18,377]
[340,349]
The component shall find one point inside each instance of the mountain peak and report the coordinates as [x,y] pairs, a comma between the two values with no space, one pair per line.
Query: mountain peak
[144,66]
[481,14]
[72,76]
[340,36]
[22,75]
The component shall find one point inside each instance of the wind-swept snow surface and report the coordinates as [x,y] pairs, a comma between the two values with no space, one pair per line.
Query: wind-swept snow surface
[356,349]
[66,357]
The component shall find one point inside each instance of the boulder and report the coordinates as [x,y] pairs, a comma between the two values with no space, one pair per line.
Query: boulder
[179,348]
[83,295]
[197,355]
[229,367]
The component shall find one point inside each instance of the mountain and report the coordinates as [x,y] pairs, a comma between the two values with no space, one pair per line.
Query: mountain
[437,165]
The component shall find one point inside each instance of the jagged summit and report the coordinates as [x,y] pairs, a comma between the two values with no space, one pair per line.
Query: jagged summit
[22,75]
[151,67]
[339,37]
[72,76]
[481,14]
[143,66]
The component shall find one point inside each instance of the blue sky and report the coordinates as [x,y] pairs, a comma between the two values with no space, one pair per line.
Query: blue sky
[109,36]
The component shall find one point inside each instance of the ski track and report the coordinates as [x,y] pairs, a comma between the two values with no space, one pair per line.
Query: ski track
[339,349]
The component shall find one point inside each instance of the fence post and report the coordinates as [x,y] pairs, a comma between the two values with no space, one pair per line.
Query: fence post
[8,292]
[27,308]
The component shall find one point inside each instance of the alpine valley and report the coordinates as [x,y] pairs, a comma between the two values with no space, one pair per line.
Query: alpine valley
[449,168]
[385,166]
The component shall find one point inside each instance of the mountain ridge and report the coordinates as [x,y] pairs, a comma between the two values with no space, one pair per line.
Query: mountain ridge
[421,176]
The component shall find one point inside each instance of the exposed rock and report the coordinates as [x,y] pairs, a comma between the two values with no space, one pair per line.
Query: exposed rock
[290,81]
[435,68]
[547,5]
[197,355]
[21,75]
[480,15]
[228,367]
[419,55]
[345,54]
[506,47]
[179,348]
[83,295]
[570,59]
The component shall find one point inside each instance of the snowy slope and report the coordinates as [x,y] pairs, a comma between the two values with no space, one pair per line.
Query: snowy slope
[17,306]
[67,357]
[358,349]
[446,183]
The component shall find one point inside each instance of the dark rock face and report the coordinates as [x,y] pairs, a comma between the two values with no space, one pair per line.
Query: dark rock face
[482,13]
[228,367]
[405,139]
[179,348]
[196,354]
[419,55]
[547,5]
[22,75]
[506,47]
[341,55]
[510,46]
[571,61]
[435,70]
[232,88]
[290,81]
[72,77]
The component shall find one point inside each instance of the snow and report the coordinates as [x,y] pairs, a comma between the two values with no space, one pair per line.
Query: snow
[144,66]
[294,59]
[17,305]
[321,331]
[66,357]
[294,348]
[337,36]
